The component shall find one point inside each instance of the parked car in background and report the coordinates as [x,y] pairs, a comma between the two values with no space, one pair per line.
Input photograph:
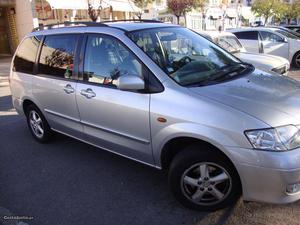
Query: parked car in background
[257,24]
[265,62]
[295,28]
[272,41]
[287,30]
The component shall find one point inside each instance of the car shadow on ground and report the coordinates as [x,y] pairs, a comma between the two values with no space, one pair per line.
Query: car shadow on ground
[5,103]
[254,213]
[70,182]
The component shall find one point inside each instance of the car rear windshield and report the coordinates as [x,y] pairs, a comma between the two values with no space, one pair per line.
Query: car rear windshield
[230,43]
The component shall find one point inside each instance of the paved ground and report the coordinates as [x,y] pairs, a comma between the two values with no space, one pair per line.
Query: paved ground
[295,73]
[68,182]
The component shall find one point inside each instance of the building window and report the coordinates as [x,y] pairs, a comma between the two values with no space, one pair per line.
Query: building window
[43,10]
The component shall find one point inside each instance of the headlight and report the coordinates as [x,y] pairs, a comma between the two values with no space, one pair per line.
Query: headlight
[275,139]
[281,70]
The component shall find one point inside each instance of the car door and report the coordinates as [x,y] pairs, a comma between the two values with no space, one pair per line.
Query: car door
[250,40]
[55,83]
[274,44]
[113,119]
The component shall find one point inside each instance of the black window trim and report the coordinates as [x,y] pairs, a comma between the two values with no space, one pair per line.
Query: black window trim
[148,74]
[247,31]
[76,58]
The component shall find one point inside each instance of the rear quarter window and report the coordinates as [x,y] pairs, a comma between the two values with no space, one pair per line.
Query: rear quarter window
[247,35]
[25,57]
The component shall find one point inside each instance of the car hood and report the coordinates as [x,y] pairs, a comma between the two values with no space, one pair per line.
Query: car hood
[262,61]
[271,98]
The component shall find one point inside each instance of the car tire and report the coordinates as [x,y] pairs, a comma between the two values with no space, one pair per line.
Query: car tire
[204,179]
[296,60]
[38,124]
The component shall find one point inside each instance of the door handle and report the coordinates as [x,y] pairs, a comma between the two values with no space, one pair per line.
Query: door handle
[88,93]
[69,89]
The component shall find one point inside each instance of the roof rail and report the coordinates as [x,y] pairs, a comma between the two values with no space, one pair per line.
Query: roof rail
[69,24]
[133,20]
[89,24]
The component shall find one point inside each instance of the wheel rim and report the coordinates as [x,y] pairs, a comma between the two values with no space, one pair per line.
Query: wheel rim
[36,124]
[206,183]
[297,60]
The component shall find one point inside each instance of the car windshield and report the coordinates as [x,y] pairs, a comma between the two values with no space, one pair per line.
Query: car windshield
[187,57]
[230,43]
[286,34]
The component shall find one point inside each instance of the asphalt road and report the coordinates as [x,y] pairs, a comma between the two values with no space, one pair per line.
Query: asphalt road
[67,182]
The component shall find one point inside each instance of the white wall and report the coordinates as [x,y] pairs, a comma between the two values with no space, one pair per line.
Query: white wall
[24,17]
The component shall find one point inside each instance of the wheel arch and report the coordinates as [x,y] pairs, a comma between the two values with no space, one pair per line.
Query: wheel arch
[27,102]
[293,59]
[177,144]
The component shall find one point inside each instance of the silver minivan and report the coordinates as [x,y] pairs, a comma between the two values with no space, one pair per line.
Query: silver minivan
[165,96]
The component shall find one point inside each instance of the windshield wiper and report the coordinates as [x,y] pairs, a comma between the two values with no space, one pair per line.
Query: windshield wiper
[232,65]
[235,51]
[231,71]
[228,72]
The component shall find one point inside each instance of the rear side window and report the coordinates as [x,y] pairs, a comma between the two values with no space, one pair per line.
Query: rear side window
[247,35]
[57,56]
[25,56]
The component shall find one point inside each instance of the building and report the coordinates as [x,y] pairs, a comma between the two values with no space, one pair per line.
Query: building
[19,17]
[8,30]
[217,14]
[158,10]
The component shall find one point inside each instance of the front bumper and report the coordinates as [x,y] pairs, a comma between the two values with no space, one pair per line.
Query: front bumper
[268,185]
[267,177]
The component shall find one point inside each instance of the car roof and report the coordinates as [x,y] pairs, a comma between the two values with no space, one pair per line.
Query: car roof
[132,26]
[215,34]
[253,29]
[291,26]
[126,26]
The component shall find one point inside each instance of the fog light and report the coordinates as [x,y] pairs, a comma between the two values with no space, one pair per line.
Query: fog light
[293,188]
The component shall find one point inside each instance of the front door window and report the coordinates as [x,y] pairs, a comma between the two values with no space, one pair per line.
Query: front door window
[106,59]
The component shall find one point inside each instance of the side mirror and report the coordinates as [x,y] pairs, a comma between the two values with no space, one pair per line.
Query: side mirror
[130,82]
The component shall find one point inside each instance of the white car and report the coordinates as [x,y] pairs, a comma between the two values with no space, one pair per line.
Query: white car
[265,62]
[271,41]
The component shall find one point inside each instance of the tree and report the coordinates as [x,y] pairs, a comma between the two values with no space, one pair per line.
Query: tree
[142,4]
[94,13]
[201,4]
[266,8]
[180,8]
[280,12]
[292,10]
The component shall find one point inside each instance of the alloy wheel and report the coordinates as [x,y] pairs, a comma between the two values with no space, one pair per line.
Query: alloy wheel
[297,60]
[206,183]
[36,124]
